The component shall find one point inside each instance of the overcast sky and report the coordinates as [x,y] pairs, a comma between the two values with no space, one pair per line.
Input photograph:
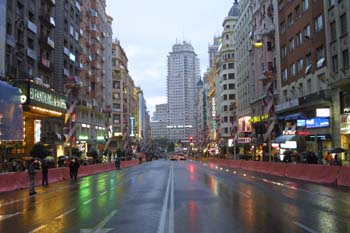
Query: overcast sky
[147,30]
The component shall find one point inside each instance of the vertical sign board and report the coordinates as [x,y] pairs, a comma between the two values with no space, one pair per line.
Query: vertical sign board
[132,126]
[2,36]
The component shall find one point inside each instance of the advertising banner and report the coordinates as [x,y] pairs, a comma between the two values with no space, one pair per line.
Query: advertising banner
[11,113]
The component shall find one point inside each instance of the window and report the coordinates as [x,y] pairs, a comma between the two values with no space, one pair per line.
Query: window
[224,66]
[333,31]
[320,53]
[319,23]
[281,5]
[283,27]
[291,45]
[231,86]
[331,3]
[343,25]
[231,76]
[309,86]
[300,65]
[297,12]
[305,5]
[307,32]
[225,87]
[283,51]
[269,46]
[231,65]
[285,75]
[292,70]
[299,39]
[335,63]
[308,59]
[290,19]
[346,59]
[232,97]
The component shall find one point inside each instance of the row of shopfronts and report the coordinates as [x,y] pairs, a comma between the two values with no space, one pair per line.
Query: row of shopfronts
[315,123]
[32,113]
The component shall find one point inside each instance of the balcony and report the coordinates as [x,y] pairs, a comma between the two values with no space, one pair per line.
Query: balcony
[31,53]
[45,65]
[47,19]
[77,5]
[32,26]
[10,39]
[66,51]
[66,72]
[47,42]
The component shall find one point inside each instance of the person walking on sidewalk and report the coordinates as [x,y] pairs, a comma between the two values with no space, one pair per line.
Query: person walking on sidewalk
[31,174]
[45,171]
[76,166]
[117,163]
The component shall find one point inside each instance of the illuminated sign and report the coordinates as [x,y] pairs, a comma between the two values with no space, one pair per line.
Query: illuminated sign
[132,124]
[317,123]
[289,145]
[257,119]
[83,138]
[323,112]
[37,131]
[47,98]
[345,124]
[301,123]
[244,124]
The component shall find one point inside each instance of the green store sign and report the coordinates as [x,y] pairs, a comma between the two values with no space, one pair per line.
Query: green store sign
[47,98]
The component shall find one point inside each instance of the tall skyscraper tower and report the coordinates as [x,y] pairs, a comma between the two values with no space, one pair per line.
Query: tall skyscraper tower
[183,75]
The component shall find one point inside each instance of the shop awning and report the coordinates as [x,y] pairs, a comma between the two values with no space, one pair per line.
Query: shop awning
[284,138]
[293,116]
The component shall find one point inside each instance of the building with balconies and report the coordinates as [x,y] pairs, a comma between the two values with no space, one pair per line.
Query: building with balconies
[303,75]
[226,81]
[337,24]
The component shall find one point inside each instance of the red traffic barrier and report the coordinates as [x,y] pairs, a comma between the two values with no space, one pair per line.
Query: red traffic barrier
[343,178]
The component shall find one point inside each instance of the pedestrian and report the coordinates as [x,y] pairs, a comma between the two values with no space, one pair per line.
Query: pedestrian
[76,166]
[117,163]
[31,174]
[140,159]
[71,168]
[328,158]
[45,171]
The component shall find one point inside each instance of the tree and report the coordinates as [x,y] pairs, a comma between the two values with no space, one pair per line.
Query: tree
[171,147]
[39,151]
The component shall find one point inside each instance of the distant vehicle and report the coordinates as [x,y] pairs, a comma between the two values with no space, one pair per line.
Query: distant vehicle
[173,157]
[182,157]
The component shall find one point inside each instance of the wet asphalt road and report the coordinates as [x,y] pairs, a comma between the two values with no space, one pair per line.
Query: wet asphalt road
[177,196]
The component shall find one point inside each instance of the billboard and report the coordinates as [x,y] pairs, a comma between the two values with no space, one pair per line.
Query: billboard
[244,124]
[2,36]
[317,123]
[11,113]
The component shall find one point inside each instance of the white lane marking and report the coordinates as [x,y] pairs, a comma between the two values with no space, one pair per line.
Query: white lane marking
[171,213]
[6,216]
[65,213]
[88,201]
[161,225]
[101,194]
[244,194]
[37,229]
[12,202]
[99,228]
[304,227]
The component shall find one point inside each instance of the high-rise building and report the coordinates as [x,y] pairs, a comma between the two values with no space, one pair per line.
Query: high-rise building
[31,48]
[303,86]
[160,121]
[337,23]
[183,75]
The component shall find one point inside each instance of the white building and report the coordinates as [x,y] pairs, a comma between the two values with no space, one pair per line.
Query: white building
[159,122]
[243,34]
[226,92]
[183,75]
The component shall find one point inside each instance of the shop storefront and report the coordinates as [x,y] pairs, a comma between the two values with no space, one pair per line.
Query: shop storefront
[43,117]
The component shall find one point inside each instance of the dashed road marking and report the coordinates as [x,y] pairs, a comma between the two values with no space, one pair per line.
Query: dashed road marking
[308,229]
[37,229]
[64,214]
